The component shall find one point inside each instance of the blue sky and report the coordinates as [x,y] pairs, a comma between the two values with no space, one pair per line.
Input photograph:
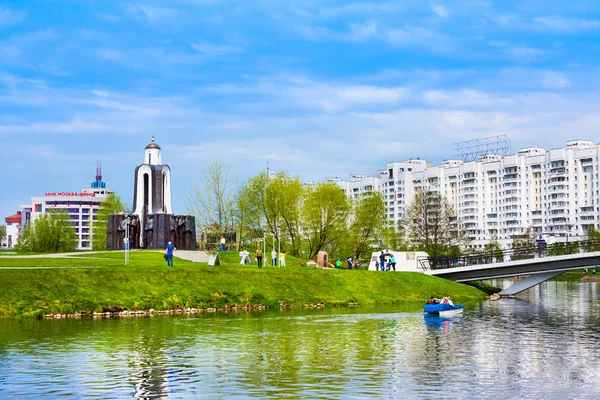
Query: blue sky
[319,88]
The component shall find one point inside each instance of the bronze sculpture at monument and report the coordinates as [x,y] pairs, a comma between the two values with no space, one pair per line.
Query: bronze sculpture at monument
[152,223]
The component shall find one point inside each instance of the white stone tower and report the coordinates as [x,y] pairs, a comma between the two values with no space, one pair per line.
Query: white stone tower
[152,186]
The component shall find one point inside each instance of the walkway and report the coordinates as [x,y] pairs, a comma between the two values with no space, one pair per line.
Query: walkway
[191,255]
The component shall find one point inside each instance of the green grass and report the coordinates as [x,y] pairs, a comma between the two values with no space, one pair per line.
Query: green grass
[108,285]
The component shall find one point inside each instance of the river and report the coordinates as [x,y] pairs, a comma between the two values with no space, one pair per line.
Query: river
[542,345]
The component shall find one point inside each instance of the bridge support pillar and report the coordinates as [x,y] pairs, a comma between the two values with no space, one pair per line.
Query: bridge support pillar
[529,282]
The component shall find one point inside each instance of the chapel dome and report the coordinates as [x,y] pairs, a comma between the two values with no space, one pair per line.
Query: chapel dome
[153,145]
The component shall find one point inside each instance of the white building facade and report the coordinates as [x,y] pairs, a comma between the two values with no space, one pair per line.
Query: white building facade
[552,192]
[13,230]
[82,208]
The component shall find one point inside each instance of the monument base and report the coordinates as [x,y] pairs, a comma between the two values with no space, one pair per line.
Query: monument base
[158,231]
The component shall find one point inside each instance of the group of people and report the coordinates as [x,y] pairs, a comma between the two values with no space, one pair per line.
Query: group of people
[351,261]
[258,256]
[382,265]
[445,300]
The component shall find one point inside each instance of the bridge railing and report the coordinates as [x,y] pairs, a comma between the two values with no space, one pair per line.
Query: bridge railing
[540,250]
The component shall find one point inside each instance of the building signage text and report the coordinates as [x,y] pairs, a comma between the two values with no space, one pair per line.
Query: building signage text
[82,194]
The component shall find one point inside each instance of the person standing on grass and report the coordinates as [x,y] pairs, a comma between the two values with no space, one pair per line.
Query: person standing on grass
[393,262]
[169,251]
[222,244]
[349,261]
[356,263]
[382,261]
[274,257]
[282,258]
[259,256]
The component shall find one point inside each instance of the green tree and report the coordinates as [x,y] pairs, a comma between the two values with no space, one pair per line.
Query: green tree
[112,204]
[430,224]
[283,199]
[493,250]
[49,233]
[325,212]
[2,233]
[561,249]
[593,240]
[523,245]
[271,204]
[247,217]
[368,224]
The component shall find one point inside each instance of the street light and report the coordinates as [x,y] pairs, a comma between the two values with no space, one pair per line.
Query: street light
[128,244]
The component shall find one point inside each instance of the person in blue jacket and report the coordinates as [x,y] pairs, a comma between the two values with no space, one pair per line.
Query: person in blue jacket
[169,252]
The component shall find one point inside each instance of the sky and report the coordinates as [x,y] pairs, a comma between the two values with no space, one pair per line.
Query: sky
[317,88]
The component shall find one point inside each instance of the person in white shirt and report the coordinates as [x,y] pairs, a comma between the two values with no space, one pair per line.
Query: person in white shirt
[274,257]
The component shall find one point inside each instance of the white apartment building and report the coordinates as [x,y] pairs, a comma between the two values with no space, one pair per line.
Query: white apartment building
[552,192]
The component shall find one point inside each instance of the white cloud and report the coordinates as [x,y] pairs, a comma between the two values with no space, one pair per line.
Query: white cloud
[10,17]
[567,24]
[109,54]
[418,37]
[156,14]
[440,10]
[216,50]
[554,80]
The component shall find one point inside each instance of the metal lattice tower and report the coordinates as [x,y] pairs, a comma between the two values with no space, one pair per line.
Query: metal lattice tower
[471,150]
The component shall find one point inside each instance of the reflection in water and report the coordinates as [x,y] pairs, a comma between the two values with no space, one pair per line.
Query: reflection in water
[542,345]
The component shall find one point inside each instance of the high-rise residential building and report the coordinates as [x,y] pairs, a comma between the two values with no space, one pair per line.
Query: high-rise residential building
[550,192]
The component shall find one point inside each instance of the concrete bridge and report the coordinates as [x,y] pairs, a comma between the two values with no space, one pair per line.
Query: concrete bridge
[538,267]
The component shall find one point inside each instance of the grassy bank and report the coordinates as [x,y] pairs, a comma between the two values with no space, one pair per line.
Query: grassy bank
[101,283]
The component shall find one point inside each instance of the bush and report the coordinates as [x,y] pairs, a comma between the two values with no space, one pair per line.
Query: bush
[49,233]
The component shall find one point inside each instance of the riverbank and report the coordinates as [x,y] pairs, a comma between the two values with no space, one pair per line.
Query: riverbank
[100,283]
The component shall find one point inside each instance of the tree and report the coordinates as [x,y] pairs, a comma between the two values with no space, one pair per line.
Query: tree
[49,233]
[430,224]
[112,204]
[272,204]
[214,203]
[283,199]
[325,212]
[524,245]
[493,250]
[248,216]
[561,249]
[367,228]
[2,233]
[593,240]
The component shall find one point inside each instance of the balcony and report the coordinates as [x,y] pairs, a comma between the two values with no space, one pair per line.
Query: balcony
[558,189]
[557,171]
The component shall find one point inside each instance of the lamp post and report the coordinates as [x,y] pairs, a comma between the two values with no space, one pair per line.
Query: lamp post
[128,244]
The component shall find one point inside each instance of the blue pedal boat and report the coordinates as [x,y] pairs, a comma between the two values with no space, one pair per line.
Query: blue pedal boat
[443,309]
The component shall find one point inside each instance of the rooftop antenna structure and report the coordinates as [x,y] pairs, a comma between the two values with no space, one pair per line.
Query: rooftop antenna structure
[98,184]
[472,150]
[98,170]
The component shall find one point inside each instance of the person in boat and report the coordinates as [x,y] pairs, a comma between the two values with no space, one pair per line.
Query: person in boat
[432,300]
[447,300]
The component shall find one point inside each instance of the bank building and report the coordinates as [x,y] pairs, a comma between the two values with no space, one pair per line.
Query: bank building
[81,206]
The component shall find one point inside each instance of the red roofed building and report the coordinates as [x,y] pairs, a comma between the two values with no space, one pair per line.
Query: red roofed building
[13,230]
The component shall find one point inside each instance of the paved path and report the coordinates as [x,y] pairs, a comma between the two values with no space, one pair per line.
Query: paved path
[192,255]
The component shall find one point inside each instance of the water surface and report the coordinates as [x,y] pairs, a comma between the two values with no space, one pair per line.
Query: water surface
[543,345]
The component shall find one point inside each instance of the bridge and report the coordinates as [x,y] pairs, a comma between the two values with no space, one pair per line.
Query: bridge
[538,263]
